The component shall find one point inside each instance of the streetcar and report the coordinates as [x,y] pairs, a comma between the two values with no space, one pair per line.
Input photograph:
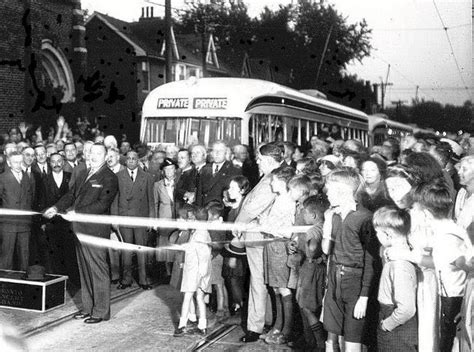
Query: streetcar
[241,111]
[381,128]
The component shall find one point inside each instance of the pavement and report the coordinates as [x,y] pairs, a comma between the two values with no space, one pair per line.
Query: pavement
[140,321]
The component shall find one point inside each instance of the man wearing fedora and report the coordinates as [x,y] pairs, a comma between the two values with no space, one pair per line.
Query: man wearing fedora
[92,192]
[258,202]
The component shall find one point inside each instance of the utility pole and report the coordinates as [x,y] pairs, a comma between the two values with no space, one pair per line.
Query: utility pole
[384,87]
[168,52]
[416,94]
[323,54]
[168,46]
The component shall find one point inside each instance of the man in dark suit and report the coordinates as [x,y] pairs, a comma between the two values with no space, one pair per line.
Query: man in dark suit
[16,192]
[91,193]
[71,157]
[185,179]
[62,255]
[113,162]
[215,177]
[134,198]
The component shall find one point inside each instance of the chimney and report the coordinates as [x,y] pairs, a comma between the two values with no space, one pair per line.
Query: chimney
[143,12]
[151,12]
[147,13]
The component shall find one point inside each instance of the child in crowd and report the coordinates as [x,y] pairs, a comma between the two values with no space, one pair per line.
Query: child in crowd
[277,273]
[450,255]
[215,212]
[196,276]
[299,188]
[350,240]
[397,330]
[312,273]
[235,264]
[180,237]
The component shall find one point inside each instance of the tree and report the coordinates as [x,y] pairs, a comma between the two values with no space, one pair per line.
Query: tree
[229,23]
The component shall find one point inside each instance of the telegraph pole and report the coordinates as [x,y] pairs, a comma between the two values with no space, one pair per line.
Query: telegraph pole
[168,50]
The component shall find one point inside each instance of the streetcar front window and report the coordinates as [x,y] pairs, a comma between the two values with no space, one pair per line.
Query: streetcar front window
[185,131]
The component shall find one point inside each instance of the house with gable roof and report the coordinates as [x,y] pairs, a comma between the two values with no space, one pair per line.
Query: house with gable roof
[126,60]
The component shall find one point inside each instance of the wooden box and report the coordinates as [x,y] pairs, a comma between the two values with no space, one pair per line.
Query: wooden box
[32,295]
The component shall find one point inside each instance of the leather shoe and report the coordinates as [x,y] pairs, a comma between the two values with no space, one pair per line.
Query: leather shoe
[146,287]
[81,315]
[123,286]
[250,336]
[93,320]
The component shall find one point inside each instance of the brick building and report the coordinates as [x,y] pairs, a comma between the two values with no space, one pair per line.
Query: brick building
[42,61]
[127,60]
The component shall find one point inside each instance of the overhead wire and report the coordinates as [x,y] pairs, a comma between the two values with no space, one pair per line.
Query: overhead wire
[445,28]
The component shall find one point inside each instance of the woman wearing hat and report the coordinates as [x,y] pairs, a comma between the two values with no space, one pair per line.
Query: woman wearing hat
[164,191]
[235,261]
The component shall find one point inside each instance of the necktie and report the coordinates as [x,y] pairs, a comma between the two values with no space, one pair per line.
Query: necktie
[44,170]
[216,169]
[19,176]
[131,176]
[89,175]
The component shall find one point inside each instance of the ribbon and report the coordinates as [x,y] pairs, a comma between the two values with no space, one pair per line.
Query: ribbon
[133,221]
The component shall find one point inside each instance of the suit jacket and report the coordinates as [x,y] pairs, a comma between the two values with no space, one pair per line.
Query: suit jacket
[210,187]
[134,198]
[68,167]
[53,193]
[164,204]
[186,182]
[16,196]
[93,196]
[81,167]
[258,202]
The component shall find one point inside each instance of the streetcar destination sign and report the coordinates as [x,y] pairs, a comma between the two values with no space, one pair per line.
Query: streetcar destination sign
[210,103]
[173,103]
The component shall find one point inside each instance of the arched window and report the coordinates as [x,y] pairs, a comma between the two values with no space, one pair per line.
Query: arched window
[56,66]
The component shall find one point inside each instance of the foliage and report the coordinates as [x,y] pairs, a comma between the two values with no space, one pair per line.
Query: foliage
[293,39]
[431,114]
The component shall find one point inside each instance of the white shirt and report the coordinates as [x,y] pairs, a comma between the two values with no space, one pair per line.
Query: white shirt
[73,164]
[450,243]
[116,168]
[26,170]
[18,175]
[58,178]
[43,167]
[219,166]
[134,171]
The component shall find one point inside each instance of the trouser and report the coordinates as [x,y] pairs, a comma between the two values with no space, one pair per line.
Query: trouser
[95,280]
[136,236]
[450,307]
[257,292]
[114,258]
[11,242]
[403,338]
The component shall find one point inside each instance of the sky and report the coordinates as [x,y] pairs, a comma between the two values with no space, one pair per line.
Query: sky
[408,35]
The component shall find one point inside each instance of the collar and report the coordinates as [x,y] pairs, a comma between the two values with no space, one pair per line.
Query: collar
[58,174]
[168,183]
[116,168]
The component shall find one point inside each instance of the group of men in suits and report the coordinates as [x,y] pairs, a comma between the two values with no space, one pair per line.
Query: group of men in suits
[32,181]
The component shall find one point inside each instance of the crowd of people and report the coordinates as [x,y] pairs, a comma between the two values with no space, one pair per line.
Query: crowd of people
[386,263]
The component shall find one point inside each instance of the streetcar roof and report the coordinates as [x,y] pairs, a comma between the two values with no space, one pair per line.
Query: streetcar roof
[236,95]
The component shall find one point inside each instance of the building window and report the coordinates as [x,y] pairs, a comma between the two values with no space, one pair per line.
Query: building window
[194,72]
[57,69]
[180,72]
[145,76]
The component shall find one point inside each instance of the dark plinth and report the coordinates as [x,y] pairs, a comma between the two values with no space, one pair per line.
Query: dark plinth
[18,292]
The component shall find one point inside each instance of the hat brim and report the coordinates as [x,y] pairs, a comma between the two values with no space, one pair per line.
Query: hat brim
[235,250]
